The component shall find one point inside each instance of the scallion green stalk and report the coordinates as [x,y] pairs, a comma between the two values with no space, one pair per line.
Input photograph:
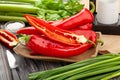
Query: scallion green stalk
[82,69]
[100,76]
[42,75]
[115,74]
[93,72]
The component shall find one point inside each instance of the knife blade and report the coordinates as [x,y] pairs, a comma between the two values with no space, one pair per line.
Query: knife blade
[11,59]
[12,64]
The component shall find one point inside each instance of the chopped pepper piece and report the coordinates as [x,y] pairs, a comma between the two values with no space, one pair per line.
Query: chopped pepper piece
[8,38]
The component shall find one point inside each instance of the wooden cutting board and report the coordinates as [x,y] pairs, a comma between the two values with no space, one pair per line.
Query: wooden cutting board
[22,50]
[111,43]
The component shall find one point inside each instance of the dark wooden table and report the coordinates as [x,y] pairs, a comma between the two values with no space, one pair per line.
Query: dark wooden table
[25,66]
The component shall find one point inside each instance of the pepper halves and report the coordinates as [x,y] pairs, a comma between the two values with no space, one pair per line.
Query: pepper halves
[8,38]
[55,33]
[43,46]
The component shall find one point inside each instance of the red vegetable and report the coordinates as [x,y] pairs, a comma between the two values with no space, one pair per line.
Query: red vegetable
[32,30]
[59,42]
[28,31]
[8,38]
[43,46]
[55,33]
[84,27]
[81,18]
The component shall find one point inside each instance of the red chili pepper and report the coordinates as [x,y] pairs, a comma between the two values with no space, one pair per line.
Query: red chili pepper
[81,18]
[41,45]
[85,27]
[55,33]
[90,34]
[32,30]
[8,38]
[54,23]
[28,31]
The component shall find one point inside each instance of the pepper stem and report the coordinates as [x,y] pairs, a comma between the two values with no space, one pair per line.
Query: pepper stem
[91,42]
[24,38]
[100,41]
[92,6]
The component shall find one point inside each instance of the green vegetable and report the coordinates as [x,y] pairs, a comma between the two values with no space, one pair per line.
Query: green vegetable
[93,68]
[80,70]
[93,72]
[73,6]
[59,9]
[117,73]
[12,18]
[12,14]
[18,8]
[100,76]
[14,11]
[45,9]
[25,1]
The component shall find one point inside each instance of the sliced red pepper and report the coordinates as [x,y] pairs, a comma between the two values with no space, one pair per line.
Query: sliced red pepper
[55,33]
[81,18]
[41,45]
[28,31]
[8,38]
[32,30]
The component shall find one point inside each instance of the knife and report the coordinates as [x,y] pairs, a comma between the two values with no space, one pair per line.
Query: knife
[12,64]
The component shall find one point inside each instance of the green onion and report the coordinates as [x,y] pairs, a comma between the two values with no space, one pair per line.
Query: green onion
[115,74]
[82,67]
[100,76]
[94,72]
